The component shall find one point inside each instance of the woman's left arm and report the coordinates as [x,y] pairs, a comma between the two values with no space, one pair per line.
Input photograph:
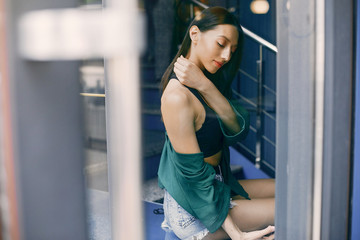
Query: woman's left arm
[221,106]
[192,76]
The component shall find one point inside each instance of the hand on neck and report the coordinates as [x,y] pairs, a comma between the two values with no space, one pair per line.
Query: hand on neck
[192,57]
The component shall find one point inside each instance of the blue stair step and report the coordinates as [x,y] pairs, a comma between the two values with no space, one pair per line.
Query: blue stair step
[153,122]
[150,108]
[150,92]
[150,167]
[153,142]
[147,73]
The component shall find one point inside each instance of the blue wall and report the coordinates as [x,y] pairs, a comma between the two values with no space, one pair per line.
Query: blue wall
[356,180]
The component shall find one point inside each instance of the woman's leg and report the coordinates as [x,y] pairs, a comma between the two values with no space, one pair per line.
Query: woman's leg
[255,214]
[258,188]
[249,215]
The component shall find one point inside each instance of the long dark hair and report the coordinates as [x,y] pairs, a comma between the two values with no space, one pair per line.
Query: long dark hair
[207,20]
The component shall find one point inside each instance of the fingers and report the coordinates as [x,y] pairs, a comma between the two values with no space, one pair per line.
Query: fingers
[183,61]
[179,74]
[179,66]
[266,231]
[186,66]
[260,233]
[271,237]
[189,73]
[182,69]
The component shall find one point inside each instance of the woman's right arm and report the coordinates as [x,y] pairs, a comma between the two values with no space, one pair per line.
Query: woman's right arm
[231,228]
[235,233]
[179,118]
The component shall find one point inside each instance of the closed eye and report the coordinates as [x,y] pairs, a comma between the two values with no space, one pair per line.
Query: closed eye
[220,45]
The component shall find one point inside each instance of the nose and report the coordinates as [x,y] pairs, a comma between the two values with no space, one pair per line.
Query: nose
[226,54]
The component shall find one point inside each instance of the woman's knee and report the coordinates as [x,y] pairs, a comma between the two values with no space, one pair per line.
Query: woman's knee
[259,188]
[254,214]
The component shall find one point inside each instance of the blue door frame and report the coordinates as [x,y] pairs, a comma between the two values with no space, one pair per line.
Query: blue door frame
[355,234]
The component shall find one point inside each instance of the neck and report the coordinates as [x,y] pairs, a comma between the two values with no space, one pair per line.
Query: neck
[192,57]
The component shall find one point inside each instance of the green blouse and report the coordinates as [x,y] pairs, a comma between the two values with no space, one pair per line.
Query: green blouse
[191,181]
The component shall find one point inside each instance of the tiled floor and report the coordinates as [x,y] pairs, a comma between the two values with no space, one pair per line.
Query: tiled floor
[96,170]
[98,200]
[99,217]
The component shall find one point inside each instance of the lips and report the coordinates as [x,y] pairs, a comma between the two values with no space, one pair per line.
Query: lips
[218,64]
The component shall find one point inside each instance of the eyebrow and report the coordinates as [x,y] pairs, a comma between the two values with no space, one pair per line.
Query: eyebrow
[227,40]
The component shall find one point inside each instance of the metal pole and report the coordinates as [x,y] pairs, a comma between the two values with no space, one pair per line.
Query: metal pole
[9,222]
[319,117]
[259,109]
[295,83]
[44,153]
[338,110]
[123,130]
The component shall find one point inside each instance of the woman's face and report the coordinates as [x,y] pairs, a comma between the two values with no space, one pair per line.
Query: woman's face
[214,48]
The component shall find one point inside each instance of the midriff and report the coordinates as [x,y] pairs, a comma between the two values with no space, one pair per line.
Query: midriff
[214,160]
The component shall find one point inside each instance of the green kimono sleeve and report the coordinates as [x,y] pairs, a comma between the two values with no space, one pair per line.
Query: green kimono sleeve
[191,182]
[243,120]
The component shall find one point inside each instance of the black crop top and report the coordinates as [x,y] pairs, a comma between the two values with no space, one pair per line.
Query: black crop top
[209,136]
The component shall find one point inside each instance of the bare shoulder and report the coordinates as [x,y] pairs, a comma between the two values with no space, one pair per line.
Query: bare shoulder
[176,95]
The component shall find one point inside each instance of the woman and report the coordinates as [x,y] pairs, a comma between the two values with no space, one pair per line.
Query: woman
[200,125]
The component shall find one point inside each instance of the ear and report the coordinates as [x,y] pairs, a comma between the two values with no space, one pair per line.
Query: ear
[194,33]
